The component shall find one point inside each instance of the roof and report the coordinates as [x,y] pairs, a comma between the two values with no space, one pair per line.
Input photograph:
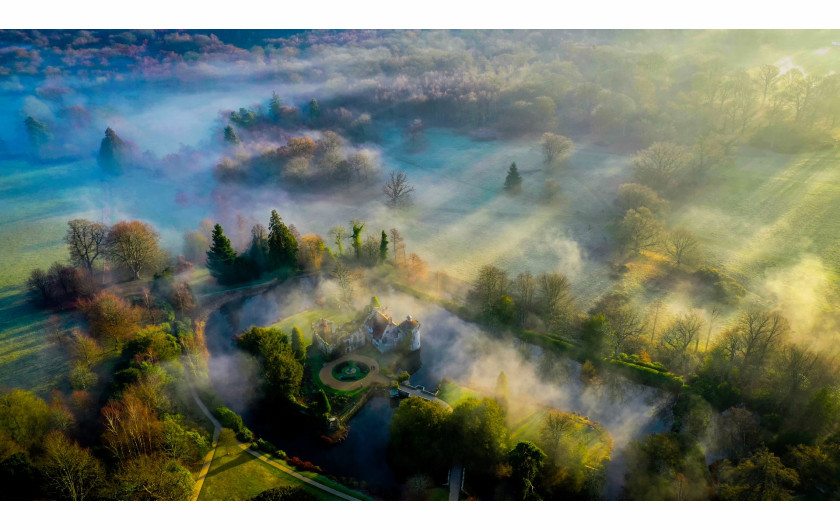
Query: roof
[378,322]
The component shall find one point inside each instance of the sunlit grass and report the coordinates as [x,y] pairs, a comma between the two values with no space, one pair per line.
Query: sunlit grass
[238,476]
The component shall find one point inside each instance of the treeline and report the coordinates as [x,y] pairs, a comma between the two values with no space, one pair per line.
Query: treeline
[427,439]
[128,428]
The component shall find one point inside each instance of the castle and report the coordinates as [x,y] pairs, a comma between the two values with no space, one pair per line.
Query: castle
[378,329]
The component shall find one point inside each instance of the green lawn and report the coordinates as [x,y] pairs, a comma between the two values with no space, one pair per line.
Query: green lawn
[237,476]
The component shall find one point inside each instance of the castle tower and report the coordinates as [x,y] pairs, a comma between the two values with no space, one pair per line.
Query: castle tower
[413,328]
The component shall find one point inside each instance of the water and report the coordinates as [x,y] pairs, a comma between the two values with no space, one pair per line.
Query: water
[450,348]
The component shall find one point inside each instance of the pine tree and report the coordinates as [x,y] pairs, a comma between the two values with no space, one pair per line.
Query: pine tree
[282,246]
[274,106]
[298,344]
[513,182]
[314,110]
[221,256]
[112,152]
[383,247]
[502,393]
[230,136]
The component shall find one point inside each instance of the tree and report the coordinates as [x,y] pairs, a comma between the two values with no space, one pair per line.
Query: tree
[416,268]
[524,287]
[383,247]
[258,252]
[478,436]
[231,136]
[502,392]
[513,182]
[556,148]
[133,245]
[153,478]
[527,460]
[111,319]
[398,243]
[84,349]
[275,107]
[768,76]
[298,344]
[311,252]
[681,245]
[632,196]
[24,417]
[320,404]
[489,286]
[338,233]
[762,477]
[416,441]
[112,152]
[86,241]
[195,247]
[555,301]
[678,336]
[221,258]
[554,426]
[282,246]
[665,466]
[622,318]
[357,227]
[640,230]
[660,165]
[39,132]
[397,190]
[314,110]
[346,280]
[72,472]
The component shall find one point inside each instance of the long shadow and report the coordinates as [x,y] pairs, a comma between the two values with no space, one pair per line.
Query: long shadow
[243,458]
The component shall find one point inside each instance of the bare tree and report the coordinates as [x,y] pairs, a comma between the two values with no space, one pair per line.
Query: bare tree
[397,190]
[524,287]
[338,234]
[659,165]
[768,76]
[86,241]
[133,245]
[713,315]
[555,299]
[73,472]
[623,319]
[681,245]
[640,229]
[678,336]
[346,279]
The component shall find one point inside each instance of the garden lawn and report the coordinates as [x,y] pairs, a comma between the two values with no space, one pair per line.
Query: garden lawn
[237,476]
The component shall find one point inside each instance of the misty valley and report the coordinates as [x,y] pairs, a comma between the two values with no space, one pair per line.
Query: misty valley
[419,265]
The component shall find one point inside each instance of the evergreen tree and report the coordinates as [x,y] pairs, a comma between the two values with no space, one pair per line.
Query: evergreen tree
[258,253]
[282,246]
[112,152]
[383,247]
[314,110]
[358,226]
[221,257]
[230,136]
[298,344]
[39,132]
[321,404]
[513,182]
[502,392]
[274,107]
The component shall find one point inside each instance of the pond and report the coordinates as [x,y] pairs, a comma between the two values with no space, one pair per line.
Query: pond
[450,348]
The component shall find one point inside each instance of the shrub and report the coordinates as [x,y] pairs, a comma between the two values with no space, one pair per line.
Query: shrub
[266,447]
[229,419]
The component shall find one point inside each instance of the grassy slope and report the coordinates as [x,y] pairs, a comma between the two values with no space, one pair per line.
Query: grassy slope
[236,475]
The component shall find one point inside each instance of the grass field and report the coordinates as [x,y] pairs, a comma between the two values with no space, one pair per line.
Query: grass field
[237,476]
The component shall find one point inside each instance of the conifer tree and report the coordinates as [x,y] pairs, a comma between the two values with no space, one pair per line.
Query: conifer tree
[358,226]
[274,106]
[230,136]
[513,182]
[221,256]
[298,344]
[383,247]
[314,110]
[112,152]
[282,246]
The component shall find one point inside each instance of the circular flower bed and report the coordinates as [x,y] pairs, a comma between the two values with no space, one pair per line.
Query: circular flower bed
[350,371]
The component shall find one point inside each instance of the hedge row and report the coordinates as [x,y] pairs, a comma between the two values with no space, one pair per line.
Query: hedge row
[647,376]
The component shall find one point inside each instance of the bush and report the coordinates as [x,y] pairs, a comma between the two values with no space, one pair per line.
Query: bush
[266,447]
[724,288]
[229,419]
[279,454]
[647,376]
[245,435]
